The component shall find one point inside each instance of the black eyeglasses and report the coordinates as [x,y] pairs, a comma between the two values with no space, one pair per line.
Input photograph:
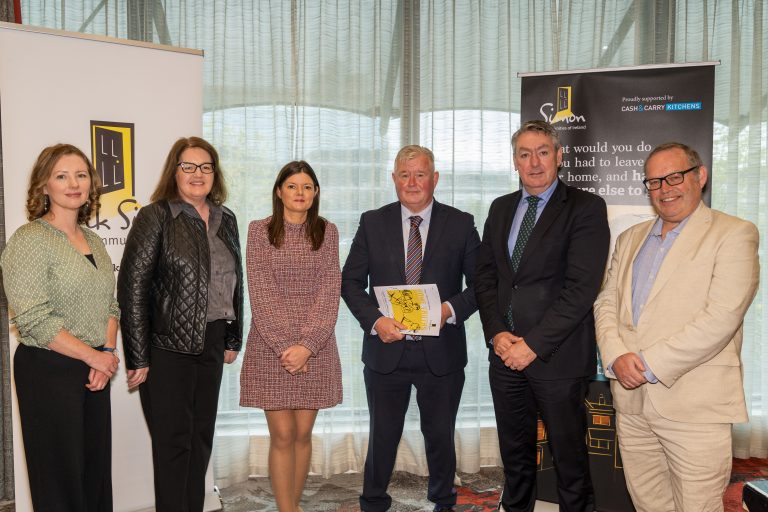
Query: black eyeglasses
[672,179]
[190,168]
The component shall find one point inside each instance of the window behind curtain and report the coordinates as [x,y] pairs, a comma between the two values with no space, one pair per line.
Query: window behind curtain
[324,80]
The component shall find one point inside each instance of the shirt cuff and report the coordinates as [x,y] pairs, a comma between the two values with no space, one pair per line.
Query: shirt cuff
[608,372]
[373,329]
[648,373]
[452,318]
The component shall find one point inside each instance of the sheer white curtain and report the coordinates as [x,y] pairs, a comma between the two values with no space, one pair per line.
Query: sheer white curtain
[344,83]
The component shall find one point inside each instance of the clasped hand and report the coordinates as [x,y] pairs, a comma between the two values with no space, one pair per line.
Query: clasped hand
[294,359]
[629,369]
[513,350]
[103,367]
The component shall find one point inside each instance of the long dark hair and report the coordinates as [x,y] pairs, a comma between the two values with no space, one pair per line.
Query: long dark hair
[314,226]
[167,189]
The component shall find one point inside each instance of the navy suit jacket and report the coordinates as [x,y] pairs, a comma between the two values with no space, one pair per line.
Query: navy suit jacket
[377,258]
[555,285]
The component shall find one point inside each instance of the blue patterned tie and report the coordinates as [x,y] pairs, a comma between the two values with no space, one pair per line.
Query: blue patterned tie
[526,227]
[413,256]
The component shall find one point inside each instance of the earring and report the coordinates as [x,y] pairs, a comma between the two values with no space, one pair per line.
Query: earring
[46,202]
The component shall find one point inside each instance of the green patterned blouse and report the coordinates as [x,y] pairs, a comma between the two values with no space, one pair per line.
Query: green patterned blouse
[51,286]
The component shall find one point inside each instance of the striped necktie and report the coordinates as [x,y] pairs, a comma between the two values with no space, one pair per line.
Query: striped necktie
[413,255]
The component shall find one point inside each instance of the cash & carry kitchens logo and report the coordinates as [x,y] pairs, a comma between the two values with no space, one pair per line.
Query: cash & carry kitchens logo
[562,111]
[113,157]
[657,104]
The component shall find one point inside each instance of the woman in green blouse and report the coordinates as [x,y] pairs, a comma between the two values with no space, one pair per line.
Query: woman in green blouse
[60,284]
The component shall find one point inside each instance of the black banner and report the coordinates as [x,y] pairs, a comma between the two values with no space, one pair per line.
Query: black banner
[609,121]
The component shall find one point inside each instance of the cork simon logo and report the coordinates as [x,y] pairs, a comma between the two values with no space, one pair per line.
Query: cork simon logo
[113,157]
[562,110]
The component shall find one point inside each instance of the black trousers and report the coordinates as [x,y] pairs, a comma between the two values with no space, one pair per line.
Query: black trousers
[388,397]
[67,432]
[516,400]
[179,399]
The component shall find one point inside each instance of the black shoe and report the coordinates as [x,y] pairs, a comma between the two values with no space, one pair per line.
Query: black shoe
[443,508]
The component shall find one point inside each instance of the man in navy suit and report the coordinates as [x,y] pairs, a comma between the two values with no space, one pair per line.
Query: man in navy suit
[387,250]
[539,270]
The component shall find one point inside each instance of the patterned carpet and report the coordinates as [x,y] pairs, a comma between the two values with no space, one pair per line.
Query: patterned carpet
[478,492]
[744,470]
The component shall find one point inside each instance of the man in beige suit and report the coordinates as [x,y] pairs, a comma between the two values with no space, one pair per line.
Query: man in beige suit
[669,327]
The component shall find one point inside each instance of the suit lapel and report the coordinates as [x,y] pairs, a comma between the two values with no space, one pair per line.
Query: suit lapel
[635,243]
[393,231]
[683,248]
[552,209]
[508,216]
[437,223]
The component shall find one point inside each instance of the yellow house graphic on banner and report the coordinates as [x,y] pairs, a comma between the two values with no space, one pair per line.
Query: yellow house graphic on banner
[112,155]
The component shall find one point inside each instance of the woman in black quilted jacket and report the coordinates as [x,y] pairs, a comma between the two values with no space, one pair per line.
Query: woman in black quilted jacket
[180,289]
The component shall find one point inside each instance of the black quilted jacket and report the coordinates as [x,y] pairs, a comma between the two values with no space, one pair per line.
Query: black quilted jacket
[162,286]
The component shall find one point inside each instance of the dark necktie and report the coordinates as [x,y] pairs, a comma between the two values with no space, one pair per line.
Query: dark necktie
[413,255]
[526,227]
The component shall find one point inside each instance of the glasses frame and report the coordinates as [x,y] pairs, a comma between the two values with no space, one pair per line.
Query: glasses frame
[647,181]
[197,166]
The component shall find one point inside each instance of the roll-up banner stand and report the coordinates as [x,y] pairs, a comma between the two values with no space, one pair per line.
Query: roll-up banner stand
[124,103]
[608,121]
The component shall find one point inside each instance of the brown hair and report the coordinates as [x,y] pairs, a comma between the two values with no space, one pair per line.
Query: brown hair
[691,154]
[37,203]
[315,225]
[168,190]
[536,126]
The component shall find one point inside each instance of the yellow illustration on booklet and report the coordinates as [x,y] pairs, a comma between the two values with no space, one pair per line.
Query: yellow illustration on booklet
[406,306]
[417,307]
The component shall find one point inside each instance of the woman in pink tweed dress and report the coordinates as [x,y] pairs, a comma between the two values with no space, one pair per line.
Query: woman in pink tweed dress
[291,366]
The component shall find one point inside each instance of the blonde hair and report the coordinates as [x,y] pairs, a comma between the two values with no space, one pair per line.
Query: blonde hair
[414,151]
[38,202]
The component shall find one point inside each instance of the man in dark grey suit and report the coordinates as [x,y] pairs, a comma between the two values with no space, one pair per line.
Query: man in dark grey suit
[539,269]
[387,250]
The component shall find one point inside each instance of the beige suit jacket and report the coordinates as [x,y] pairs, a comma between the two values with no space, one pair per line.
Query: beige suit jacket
[690,330]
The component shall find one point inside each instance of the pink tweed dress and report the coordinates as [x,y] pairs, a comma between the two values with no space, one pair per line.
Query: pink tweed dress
[294,294]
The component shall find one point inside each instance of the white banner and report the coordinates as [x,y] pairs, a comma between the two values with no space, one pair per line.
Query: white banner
[125,103]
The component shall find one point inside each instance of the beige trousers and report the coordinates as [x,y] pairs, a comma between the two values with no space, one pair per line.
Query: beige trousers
[674,466]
